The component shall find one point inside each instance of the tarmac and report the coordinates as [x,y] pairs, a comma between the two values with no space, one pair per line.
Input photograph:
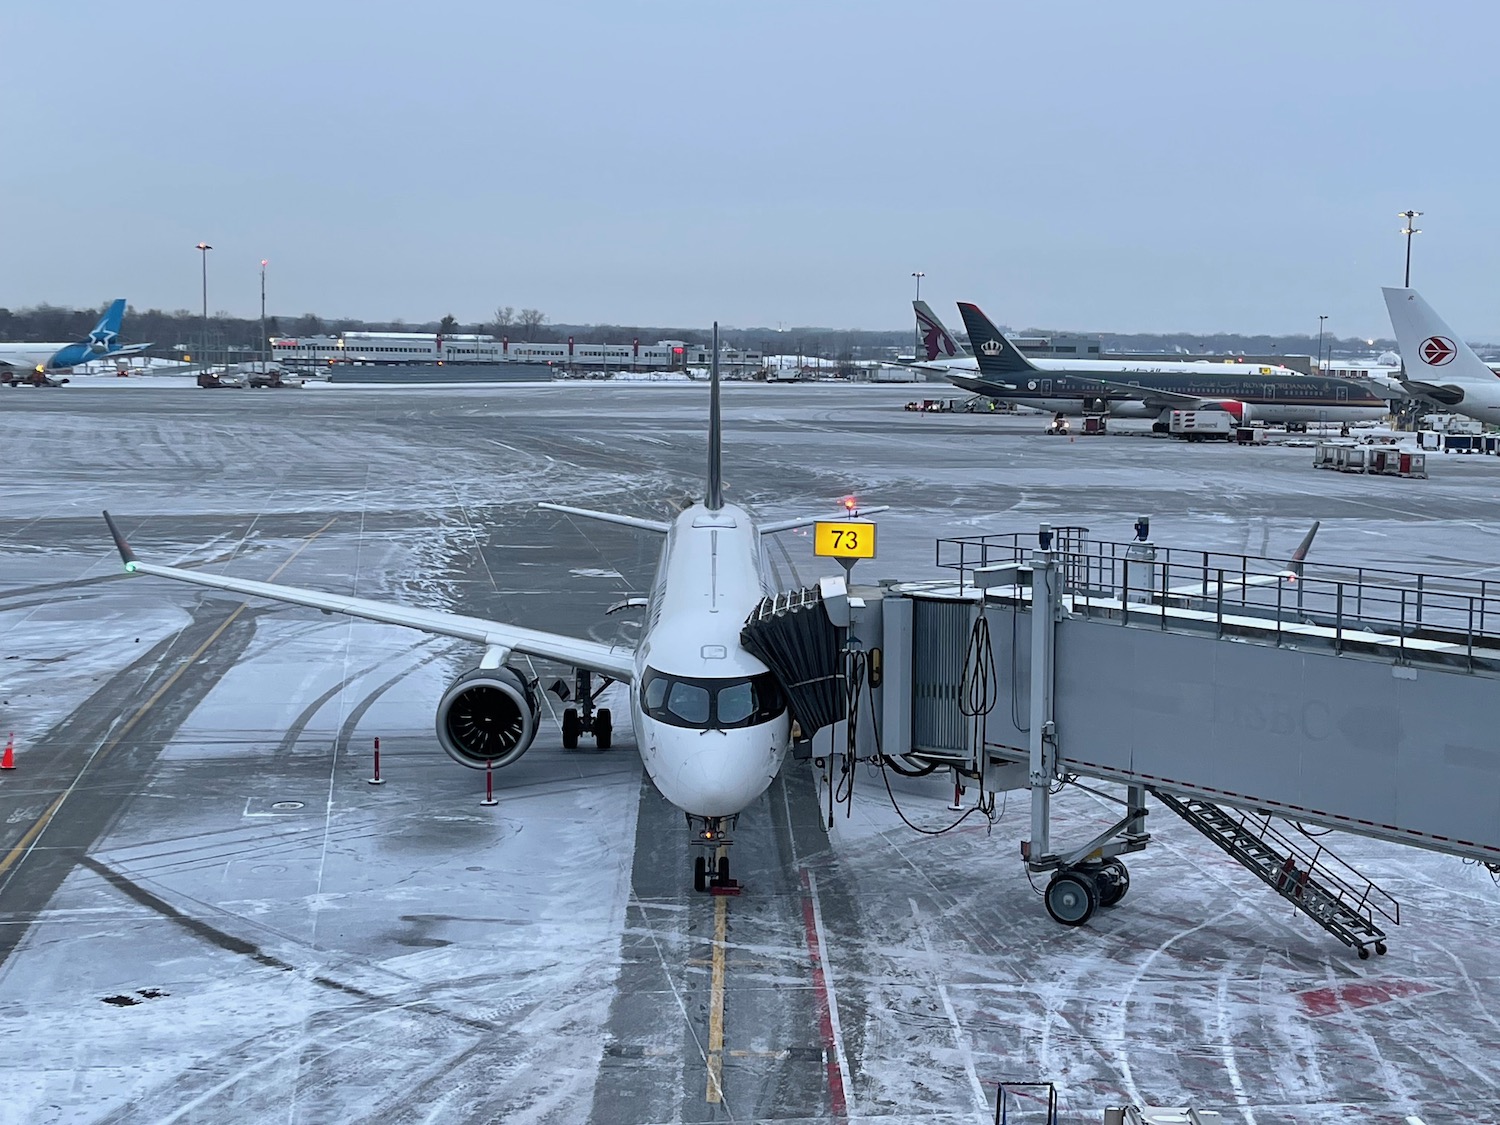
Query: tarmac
[209,915]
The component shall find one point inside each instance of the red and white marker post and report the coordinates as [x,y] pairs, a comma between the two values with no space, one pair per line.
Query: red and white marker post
[377,779]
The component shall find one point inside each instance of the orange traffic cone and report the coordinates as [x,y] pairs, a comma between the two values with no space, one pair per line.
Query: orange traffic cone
[8,759]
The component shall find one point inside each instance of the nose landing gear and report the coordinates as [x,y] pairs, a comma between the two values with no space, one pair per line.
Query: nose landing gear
[711,865]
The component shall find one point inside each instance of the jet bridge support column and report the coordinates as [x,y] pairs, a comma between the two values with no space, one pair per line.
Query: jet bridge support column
[1042,729]
[1092,875]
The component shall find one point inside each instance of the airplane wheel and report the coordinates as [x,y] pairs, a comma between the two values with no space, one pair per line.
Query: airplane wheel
[724,871]
[700,874]
[1113,882]
[571,728]
[604,730]
[1071,898]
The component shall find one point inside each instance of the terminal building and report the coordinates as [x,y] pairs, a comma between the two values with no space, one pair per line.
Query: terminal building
[406,349]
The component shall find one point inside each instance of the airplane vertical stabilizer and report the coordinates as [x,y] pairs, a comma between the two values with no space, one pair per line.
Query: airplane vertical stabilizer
[937,342]
[713,500]
[997,356]
[1430,351]
[107,331]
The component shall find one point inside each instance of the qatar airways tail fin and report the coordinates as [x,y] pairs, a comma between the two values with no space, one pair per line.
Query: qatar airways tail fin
[1436,359]
[937,342]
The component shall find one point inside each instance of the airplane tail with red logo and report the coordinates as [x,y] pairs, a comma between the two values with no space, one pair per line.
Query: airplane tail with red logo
[937,343]
[1437,362]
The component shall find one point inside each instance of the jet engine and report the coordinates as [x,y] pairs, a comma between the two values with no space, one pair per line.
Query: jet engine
[1239,411]
[487,717]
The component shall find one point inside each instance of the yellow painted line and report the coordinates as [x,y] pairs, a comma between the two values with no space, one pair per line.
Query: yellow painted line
[715,1093]
[29,837]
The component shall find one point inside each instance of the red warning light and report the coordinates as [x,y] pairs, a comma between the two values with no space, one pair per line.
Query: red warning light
[677,351]
[850,503]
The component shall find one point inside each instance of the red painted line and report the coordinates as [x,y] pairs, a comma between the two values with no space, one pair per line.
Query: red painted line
[837,1102]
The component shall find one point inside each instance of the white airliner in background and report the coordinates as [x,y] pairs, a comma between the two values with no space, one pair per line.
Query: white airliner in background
[36,361]
[1440,367]
[711,724]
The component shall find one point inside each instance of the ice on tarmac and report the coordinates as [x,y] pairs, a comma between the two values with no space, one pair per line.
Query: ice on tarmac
[255,933]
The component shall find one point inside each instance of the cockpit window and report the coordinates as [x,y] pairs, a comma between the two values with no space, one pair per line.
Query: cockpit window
[703,703]
[689,702]
[735,702]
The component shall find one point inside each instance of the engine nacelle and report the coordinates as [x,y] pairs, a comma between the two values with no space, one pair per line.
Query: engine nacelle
[488,717]
[1239,411]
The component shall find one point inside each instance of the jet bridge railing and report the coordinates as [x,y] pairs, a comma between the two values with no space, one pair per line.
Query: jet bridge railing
[1406,614]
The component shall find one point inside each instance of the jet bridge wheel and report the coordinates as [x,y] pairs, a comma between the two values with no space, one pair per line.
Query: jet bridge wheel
[1112,881]
[1071,898]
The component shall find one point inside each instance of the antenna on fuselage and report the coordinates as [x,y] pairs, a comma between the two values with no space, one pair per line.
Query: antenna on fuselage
[714,500]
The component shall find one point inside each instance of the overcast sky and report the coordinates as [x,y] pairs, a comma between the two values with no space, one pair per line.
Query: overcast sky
[1148,166]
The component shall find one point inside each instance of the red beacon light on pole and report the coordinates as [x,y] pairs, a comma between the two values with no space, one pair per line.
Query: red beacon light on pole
[851,505]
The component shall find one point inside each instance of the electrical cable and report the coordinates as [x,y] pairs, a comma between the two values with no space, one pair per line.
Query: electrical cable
[888,763]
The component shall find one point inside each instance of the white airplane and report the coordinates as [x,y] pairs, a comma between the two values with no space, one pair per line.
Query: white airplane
[37,361]
[711,722]
[1439,366]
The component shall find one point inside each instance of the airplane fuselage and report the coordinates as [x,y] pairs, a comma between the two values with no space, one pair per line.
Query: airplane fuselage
[47,357]
[1294,398]
[710,722]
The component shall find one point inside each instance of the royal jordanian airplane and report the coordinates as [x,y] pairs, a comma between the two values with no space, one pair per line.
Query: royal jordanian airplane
[36,362]
[1439,366]
[711,724]
[1125,389]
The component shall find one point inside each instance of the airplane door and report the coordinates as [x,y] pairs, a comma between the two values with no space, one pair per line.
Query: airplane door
[1046,386]
[1343,393]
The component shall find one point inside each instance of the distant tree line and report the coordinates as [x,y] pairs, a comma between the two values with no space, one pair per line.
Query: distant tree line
[185,327]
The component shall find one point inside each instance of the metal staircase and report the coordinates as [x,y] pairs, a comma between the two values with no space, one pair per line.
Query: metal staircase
[1307,875]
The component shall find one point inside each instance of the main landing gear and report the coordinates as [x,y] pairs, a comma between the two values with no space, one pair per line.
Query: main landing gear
[1076,892]
[711,865]
[585,718]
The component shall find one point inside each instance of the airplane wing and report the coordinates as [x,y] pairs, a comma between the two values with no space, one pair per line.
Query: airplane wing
[639,524]
[1153,396]
[977,386]
[1442,395]
[613,661]
[808,521]
[1293,572]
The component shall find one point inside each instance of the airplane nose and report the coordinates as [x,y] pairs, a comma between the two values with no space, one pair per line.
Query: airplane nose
[722,776]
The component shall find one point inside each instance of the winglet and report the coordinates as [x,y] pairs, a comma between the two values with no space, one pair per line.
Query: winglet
[1299,556]
[127,556]
[714,500]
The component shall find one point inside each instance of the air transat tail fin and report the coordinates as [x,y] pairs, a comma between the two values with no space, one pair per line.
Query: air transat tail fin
[713,498]
[997,356]
[937,342]
[107,331]
[1431,353]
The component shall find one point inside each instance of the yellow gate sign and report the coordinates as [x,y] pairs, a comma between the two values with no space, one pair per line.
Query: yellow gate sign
[844,539]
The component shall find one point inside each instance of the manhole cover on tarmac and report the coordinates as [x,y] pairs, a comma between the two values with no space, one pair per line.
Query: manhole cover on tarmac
[286,806]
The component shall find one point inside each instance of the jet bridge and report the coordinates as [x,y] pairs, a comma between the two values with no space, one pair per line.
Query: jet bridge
[1237,690]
